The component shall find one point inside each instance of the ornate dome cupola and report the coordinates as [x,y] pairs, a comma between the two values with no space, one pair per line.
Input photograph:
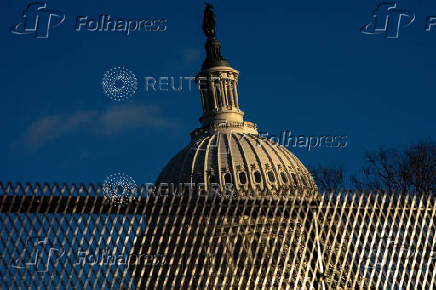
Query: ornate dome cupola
[217,81]
[226,149]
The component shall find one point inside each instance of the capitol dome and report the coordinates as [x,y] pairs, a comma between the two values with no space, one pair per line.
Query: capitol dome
[226,150]
[253,164]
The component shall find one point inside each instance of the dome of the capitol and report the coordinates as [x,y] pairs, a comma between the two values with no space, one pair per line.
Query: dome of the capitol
[253,165]
[226,152]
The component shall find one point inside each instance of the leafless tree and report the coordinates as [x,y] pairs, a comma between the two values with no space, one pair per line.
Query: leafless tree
[327,178]
[392,170]
[388,169]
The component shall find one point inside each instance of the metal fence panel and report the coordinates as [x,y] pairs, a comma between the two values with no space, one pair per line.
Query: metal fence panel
[72,237]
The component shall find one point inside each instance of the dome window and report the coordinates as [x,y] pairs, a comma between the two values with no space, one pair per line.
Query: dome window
[257,177]
[227,178]
[304,181]
[271,177]
[242,178]
[212,178]
[294,178]
[198,181]
[283,176]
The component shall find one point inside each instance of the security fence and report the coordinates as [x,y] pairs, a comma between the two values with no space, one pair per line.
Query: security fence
[59,236]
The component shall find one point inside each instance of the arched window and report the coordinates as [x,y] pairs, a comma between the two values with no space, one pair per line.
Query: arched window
[304,181]
[212,178]
[257,177]
[271,176]
[227,178]
[295,179]
[242,178]
[283,176]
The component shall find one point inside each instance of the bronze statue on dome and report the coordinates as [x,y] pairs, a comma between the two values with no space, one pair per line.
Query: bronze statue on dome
[209,21]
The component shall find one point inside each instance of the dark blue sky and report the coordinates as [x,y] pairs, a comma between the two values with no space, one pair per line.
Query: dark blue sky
[304,66]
